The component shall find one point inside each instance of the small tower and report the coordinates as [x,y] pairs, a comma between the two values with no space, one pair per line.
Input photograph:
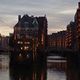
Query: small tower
[19,17]
[78,4]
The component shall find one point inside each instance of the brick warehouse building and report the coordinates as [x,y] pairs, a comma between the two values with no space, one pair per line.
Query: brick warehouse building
[29,36]
[29,23]
[77,21]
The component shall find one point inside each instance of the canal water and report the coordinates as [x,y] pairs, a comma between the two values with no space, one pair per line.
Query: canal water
[56,70]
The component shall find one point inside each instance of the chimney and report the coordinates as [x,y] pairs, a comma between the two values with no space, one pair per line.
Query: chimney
[19,17]
[78,4]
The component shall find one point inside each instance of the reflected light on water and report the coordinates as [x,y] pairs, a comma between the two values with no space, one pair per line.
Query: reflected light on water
[55,75]
[51,73]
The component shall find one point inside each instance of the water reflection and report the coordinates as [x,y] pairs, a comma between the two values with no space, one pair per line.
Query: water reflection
[31,73]
[4,67]
[23,67]
[21,74]
[56,75]
[40,72]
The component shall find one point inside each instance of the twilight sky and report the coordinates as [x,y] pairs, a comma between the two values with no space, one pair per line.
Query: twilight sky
[59,13]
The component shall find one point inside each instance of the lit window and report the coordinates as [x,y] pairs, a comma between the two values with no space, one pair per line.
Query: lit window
[21,42]
[18,42]
[27,55]
[26,42]
[20,55]
[78,19]
[21,48]
[42,39]
[26,47]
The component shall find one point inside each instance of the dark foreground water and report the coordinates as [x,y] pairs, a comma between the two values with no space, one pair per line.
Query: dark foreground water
[51,73]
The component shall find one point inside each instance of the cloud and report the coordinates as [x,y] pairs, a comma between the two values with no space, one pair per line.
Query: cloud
[5,30]
[68,12]
[59,13]
[7,20]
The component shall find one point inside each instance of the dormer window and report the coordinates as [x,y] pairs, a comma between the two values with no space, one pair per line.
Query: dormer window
[35,23]
[26,24]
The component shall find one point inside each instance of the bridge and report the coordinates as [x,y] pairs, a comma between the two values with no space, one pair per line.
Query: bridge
[72,57]
[4,49]
[60,51]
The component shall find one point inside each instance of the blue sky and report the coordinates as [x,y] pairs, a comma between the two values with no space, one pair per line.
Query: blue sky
[59,13]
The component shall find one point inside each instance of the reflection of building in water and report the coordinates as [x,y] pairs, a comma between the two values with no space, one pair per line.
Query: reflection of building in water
[58,65]
[4,62]
[20,75]
[57,62]
[39,73]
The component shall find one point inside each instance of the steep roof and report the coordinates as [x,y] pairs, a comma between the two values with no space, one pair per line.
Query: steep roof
[31,21]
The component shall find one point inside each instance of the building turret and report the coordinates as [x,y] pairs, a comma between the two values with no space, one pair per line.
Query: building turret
[19,17]
[79,5]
